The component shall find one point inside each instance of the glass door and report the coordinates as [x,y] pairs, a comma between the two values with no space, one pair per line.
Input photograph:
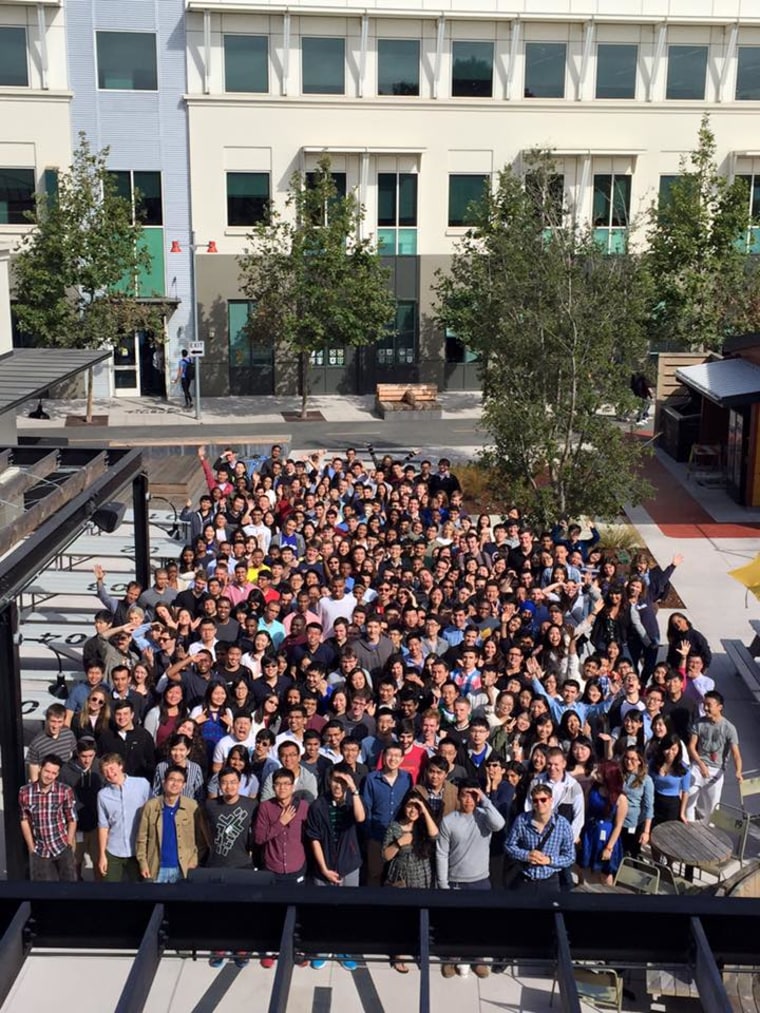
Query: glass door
[126,366]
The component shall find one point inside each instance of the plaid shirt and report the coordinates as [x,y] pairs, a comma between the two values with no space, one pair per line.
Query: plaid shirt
[556,841]
[48,814]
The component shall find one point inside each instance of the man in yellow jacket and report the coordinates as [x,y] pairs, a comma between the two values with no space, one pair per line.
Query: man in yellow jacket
[171,837]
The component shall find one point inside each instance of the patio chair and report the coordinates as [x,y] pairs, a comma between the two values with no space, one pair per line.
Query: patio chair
[638,876]
[600,987]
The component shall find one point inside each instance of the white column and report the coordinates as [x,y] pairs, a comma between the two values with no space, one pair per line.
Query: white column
[6,331]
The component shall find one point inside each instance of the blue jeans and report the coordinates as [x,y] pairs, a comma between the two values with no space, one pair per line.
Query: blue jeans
[169,875]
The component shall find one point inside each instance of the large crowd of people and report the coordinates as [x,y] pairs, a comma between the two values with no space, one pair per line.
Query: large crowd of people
[347,678]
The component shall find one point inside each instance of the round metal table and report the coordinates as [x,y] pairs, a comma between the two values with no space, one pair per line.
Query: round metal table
[694,844]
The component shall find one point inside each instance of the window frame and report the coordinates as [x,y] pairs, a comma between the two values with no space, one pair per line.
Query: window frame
[25,35]
[530,47]
[391,94]
[265,217]
[322,38]
[246,91]
[485,177]
[471,93]
[99,33]
[686,98]
[617,45]
[737,97]
[19,219]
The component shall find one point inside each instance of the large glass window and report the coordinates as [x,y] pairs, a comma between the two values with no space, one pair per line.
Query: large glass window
[339,182]
[247,198]
[323,66]
[400,348]
[16,195]
[472,71]
[548,193]
[611,211]
[244,352]
[397,213]
[753,212]
[464,190]
[545,69]
[664,194]
[143,191]
[246,63]
[748,74]
[616,71]
[687,71]
[127,61]
[398,67]
[14,72]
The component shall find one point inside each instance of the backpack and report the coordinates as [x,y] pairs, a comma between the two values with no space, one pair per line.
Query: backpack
[189,369]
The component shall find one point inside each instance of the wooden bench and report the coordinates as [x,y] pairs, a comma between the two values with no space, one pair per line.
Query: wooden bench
[406,397]
[745,665]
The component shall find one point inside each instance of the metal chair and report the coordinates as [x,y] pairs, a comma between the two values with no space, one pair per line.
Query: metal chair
[638,876]
[735,823]
[672,885]
[600,987]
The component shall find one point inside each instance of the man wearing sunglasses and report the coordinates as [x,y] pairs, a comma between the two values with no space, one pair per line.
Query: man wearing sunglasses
[542,843]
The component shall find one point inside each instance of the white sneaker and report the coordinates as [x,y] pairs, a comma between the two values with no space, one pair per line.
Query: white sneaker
[463,970]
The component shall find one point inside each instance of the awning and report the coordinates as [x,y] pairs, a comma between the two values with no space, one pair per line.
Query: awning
[727,382]
[26,373]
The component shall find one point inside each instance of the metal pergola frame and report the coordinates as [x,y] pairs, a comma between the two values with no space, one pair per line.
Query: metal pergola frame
[20,566]
[703,933]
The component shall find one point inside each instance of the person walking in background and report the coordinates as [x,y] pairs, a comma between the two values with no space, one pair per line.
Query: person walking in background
[185,376]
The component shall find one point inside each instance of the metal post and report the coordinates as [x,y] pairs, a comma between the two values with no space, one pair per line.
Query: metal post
[196,335]
[140,979]
[11,742]
[142,536]
[278,1001]
[424,960]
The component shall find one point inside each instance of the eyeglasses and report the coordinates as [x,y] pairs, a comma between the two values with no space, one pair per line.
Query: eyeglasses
[541,801]
[99,702]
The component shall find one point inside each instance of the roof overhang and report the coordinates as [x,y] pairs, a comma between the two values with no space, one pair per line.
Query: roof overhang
[729,383]
[26,373]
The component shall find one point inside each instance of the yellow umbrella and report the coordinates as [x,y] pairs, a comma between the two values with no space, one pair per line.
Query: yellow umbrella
[749,576]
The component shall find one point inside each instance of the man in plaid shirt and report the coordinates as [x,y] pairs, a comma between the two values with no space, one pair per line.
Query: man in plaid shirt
[49,824]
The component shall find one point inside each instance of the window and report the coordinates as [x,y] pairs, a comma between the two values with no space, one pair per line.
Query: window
[464,190]
[456,350]
[753,212]
[247,198]
[748,74]
[400,348]
[666,187]
[548,192]
[323,66]
[616,71]
[127,61]
[611,211]
[339,182]
[143,191]
[397,213]
[472,74]
[13,67]
[246,63]
[16,195]
[687,70]
[398,67]
[545,70]
[244,351]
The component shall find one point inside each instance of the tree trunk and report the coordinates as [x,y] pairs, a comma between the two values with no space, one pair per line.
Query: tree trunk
[90,395]
[303,365]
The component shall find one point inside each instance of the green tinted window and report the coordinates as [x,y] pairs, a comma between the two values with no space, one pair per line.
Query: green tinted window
[13,66]
[748,74]
[16,195]
[687,70]
[247,198]
[464,190]
[616,71]
[545,69]
[398,67]
[246,63]
[472,73]
[323,66]
[127,61]
[612,201]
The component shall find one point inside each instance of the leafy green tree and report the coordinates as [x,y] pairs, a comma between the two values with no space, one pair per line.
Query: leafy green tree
[311,278]
[560,328]
[76,272]
[705,286]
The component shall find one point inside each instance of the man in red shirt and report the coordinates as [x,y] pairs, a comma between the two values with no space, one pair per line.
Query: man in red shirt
[279,828]
[49,824]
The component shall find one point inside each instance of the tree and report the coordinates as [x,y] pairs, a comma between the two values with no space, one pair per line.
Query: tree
[705,286]
[76,272]
[559,325]
[311,278]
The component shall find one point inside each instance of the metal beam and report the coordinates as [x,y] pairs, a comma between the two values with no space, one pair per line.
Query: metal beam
[140,496]
[424,960]
[588,42]
[514,43]
[14,947]
[568,990]
[659,52]
[285,52]
[278,1001]
[139,981]
[11,741]
[728,59]
[363,54]
[440,34]
[707,975]
[42,30]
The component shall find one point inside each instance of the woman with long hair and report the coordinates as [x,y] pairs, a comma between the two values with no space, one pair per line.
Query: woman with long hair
[239,759]
[639,790]
[606,809]
[214,715]
[681,634]
[408,848]
[671,780]
[162,720]
[177,752]
[240,696]
[581,762]
[94,717]
[610,623]
[267,715]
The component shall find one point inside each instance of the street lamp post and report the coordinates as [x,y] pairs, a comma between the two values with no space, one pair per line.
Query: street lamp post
[198,351]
